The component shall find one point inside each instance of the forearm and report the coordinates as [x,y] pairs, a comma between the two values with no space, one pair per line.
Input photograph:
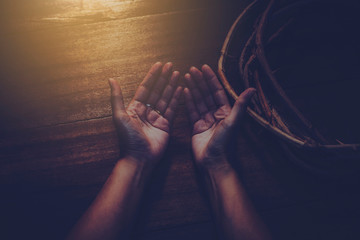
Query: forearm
[233,210]
[111,214]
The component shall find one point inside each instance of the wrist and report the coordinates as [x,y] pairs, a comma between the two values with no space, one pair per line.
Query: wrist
[134,166]
[139,161]
[214,164]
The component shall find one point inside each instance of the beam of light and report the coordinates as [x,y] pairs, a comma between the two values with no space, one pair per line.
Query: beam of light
[73,10]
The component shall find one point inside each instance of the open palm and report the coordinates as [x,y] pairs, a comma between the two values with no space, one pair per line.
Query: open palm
[145,125]
[211,115]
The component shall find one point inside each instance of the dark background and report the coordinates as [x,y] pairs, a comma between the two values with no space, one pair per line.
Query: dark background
[58,143]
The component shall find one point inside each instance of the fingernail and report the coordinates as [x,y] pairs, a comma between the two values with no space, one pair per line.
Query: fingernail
[110,81]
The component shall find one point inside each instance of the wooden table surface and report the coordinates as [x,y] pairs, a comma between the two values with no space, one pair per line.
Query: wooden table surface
[58,143]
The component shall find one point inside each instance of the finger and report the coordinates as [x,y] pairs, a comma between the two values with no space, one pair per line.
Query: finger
[190,105]
[196,95]
[171,109]
[197,75]
[168,92]
[240,106]
[216,89]
[144,89]
[117,102]
[160,84]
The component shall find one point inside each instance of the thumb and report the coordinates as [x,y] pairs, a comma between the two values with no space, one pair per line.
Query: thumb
[117,102]
[240,106]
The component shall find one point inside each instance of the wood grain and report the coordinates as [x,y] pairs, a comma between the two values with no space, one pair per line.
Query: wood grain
[58,143]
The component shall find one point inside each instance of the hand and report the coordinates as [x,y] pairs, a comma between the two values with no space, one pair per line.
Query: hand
[145,124]
[211,116]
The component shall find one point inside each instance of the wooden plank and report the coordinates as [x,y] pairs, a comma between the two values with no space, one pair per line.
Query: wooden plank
[70,12]
[64,70]
[58,143]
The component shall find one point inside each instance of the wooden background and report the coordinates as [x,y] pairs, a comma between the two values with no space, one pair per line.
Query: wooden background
[58,143]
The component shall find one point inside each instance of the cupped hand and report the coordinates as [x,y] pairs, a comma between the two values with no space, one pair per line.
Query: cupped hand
[211,115]
[144,126]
